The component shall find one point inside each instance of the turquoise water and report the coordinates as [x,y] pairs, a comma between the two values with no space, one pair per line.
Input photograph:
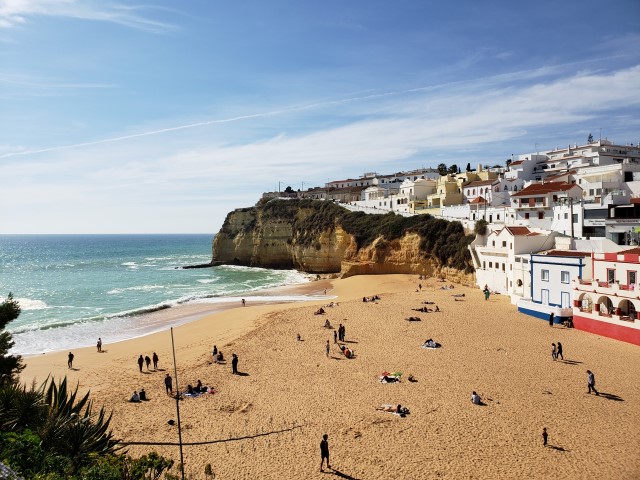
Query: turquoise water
[76,288]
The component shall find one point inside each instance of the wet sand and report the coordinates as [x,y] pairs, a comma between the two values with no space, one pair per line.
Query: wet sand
[487,347]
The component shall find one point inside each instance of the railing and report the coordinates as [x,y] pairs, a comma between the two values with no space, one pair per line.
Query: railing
[603,284]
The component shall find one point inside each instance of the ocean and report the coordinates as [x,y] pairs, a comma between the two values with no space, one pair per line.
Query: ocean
[75,288]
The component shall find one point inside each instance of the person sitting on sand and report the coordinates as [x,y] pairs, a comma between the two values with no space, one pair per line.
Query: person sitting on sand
[320,311]
[475,399]
[327,324]
[199,387]
[219,357]
[437,309]
[190,389]
[143,395]
[135,398]
[364,299]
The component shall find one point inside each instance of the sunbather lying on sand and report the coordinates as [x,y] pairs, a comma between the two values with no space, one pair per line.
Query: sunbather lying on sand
[421,309]
[400,410]
[431,344]
[458,295]
[414,319]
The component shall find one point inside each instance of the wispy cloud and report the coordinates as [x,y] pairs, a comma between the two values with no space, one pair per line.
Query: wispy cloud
[17,12]
[26,81]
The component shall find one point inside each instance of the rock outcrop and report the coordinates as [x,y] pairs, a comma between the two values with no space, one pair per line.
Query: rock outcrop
[312,237]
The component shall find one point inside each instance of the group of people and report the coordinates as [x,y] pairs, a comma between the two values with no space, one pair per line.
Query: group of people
[346,351]
[556,351]
[147,360]
[218,357]
[199,388]
[139,397]
[370,299]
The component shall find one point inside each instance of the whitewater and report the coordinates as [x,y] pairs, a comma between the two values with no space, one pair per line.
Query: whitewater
[73,289]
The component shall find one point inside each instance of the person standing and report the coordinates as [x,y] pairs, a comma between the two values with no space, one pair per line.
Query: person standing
[559,354]
[70,360]
[544,437]
[328,348]
[340,332]
[234,364]
[168,384]
[335,336]
[554,351]
[551,315]
[99,345]
[147,360]
[591,382]
[324,451]
[155,361]
[244,302]
[486,292]
[140,362]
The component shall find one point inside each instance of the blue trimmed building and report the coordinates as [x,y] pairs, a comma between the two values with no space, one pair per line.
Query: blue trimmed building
[551,274]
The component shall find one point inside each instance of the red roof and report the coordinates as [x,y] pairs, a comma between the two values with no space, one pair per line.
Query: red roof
[631,251]
[518,162]
[518,231]
[478,200]
[544,188]
[567,253]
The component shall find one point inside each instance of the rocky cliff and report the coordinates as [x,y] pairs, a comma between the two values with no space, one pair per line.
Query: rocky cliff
[323,238]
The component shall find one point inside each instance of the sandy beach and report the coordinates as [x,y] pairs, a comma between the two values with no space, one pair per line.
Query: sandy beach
[486,346]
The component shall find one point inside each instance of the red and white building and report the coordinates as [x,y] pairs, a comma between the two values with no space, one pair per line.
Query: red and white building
[608,304]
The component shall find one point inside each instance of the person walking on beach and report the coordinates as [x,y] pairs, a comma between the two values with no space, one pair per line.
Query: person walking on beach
[591,382]
[155,361]
[551,315]
[244,302]
[486,292]
[140,362]
[559,354]
[147,360]
[99,345]
[234,364]
[328,348]
[544,437]
[168,384]
[554,351]
[70,361]
[324,451]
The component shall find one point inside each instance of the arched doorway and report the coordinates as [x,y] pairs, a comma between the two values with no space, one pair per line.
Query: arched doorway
[627,309]
[605,306]
[586,304]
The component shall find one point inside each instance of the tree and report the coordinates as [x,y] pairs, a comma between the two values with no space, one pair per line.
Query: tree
[590,139]
[288,190]
[10,365]
[508,162]
[442,169]
[468,167]
[453,169]
[481,227]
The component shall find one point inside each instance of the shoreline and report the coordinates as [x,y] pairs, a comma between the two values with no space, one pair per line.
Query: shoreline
[487,346]
[162,320]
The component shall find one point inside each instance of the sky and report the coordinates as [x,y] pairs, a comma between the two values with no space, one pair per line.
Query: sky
[163,116]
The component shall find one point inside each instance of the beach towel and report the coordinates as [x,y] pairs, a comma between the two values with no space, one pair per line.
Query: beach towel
[385,407]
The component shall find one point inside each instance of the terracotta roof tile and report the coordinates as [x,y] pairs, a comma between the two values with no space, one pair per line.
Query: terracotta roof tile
[567,253]
[544,188]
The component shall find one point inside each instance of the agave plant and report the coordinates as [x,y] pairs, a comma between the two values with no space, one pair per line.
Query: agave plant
[71,429]
[21,407]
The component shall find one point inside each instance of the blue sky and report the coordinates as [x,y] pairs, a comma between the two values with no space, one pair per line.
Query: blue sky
[163,116]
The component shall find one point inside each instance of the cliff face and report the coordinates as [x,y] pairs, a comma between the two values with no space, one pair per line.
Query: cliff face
[259,238]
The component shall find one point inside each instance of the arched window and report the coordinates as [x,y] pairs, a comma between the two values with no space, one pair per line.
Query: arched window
[515,188]
[506,189]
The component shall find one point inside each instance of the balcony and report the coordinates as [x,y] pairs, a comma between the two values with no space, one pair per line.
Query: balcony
[605,288]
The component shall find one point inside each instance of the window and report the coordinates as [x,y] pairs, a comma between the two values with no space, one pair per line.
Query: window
[566,216]
[631,277]
[511,246]
[503,267]
[515,188]
[564,277]
[484,265]
[611,275]
[526,216]
[591,191]
[493,243]
[504,244]
[490,264]
[545,275]
[540,215]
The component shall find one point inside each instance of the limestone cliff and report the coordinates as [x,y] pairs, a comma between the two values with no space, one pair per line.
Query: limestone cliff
[323,238]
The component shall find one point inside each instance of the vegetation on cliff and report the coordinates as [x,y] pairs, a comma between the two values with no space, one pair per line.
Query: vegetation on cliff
[440,239]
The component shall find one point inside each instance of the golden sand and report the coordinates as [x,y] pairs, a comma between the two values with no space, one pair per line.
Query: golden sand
[487,347]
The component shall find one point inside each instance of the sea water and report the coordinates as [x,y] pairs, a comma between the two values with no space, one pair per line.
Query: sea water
[73,289]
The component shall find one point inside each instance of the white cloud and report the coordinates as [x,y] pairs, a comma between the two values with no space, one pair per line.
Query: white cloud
[143,174]
[16,12]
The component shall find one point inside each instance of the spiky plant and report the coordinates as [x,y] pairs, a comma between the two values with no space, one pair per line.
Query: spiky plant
[21,407]
[72,430]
